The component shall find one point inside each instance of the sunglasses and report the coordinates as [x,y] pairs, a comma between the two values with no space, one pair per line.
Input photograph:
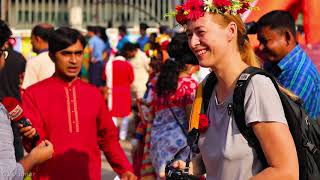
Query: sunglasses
[4,53]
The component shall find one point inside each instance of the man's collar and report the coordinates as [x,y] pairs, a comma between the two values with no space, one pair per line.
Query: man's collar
[272,68]
[276,68]
[43,50]
[287,59]
[64,82]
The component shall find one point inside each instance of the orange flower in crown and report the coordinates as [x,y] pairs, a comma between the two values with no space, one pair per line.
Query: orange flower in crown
[191,10]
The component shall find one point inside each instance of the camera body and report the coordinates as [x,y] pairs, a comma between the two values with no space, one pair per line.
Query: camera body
[176,174]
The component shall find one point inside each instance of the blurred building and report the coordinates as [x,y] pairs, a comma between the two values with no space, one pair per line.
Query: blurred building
[23,14]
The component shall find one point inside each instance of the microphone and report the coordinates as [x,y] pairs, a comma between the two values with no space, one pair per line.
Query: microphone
[15,112]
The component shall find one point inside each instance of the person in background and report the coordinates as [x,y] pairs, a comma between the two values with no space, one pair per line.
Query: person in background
[141,141]
[153,48]
[173,96]
[39,67]
[75,117]
[12,167]
[218,39]
[12,74]
[101,32]
[119,73]
[143,39]
[163,39]
[123,37]
[97,48]
[140,63]
[287,61]
[11,77]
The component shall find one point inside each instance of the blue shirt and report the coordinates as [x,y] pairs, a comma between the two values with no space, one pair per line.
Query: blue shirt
[142,41]
[124,40]
[300,75]
[98,47]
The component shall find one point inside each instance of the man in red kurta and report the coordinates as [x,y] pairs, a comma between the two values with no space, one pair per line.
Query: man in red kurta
[73,116]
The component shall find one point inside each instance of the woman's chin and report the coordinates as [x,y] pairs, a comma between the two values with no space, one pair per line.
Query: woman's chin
[204,64]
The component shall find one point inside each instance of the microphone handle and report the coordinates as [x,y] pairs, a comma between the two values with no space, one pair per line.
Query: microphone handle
[36,137]
[24,122]
[34,140]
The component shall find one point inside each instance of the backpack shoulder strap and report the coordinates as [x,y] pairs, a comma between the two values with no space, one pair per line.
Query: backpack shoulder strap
[239,112]
[211,81]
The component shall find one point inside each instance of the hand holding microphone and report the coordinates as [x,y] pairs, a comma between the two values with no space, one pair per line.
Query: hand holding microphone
[28,131]
[15,112]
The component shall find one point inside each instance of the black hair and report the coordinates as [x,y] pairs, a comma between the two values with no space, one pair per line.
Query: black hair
[277,19]
[143,26]
[93,29]
[155,64]
[101,31]
[153,41]
[43,31]
[129,47]
[181,55]
[179,49]
[5,32]
[123,28]
[167,82]
[64,37]
[152,37]
[251,27]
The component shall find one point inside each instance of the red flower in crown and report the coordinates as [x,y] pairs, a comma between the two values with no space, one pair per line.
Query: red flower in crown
[222,3]
[203,123]
[194,9]
[244,8]
[181,17]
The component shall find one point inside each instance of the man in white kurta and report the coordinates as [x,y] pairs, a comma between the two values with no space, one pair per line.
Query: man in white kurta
[41,66]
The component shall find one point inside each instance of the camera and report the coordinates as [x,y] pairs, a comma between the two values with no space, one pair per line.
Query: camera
[183,174]
[178,174]
[175,174]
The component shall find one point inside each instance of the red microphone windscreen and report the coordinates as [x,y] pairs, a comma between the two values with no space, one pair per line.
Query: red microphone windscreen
[13,107]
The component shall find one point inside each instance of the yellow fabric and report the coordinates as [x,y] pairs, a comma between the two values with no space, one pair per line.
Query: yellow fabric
[196,108]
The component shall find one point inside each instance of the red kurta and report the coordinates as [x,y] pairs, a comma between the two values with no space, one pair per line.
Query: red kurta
[121,96]
[76,120]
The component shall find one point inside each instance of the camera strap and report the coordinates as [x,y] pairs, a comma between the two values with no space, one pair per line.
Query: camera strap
[192,139]
[188,160]
[179,123]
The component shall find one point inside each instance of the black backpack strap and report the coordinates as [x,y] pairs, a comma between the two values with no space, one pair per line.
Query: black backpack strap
[211,81]
[239,112]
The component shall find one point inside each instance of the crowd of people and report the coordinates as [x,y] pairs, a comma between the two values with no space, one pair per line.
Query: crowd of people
[145,92]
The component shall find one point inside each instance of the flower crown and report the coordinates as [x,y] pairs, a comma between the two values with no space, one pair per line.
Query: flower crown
[194,9]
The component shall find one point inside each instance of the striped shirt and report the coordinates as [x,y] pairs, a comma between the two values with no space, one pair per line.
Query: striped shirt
[300,75]
[9,168]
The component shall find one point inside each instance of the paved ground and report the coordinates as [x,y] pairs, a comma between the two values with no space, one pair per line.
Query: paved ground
[106,171]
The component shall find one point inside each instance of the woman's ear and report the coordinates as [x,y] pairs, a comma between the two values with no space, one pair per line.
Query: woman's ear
[232,31]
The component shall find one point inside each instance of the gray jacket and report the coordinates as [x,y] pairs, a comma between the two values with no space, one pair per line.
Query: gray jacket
[9,168]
